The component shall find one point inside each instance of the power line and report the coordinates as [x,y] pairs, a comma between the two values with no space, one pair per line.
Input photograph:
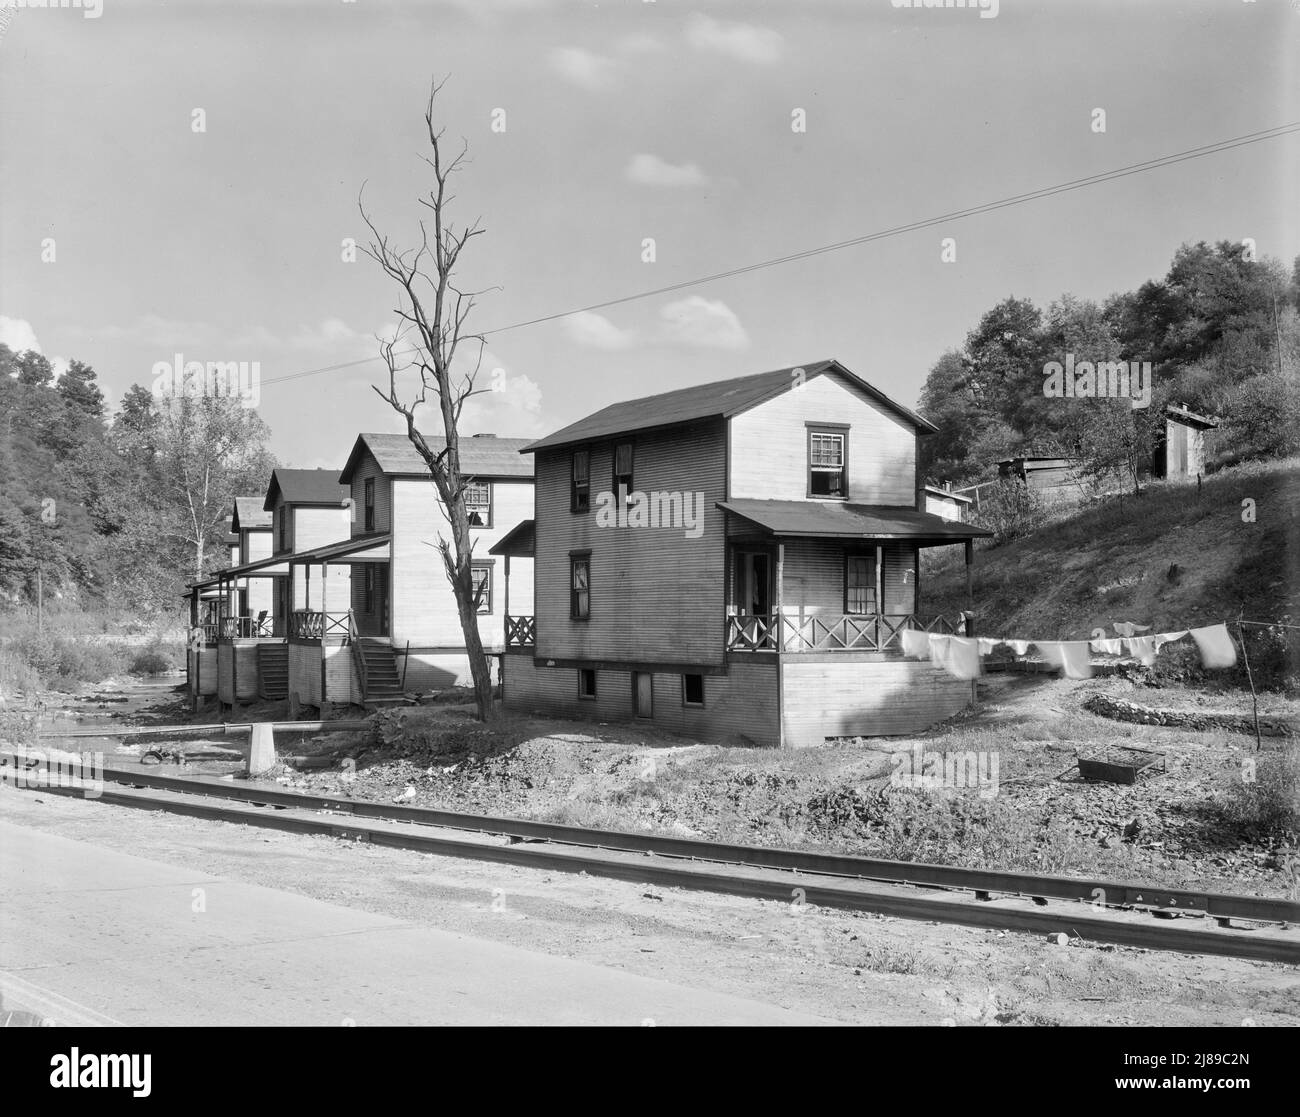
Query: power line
[897,230]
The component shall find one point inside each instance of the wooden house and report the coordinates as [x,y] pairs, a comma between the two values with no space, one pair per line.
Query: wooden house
[735,560]
[401,605]
[947,504]
[1180,452]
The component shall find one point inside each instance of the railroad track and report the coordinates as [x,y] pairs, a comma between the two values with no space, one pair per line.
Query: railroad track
[1096,910]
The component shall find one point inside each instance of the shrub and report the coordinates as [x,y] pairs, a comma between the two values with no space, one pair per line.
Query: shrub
[1269,805]
[155,660]
[61,662]
[1012,510]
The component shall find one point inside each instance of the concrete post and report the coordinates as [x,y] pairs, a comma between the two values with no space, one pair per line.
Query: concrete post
[261,750]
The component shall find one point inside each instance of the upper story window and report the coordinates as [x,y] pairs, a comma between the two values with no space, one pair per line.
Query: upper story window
[828,461]
[580,485]
[283,513]
[478,503]
[370,503]
[622,469]
[580,586]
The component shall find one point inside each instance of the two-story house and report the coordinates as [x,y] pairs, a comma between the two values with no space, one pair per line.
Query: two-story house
[255,599]
[735,560]
[407,625]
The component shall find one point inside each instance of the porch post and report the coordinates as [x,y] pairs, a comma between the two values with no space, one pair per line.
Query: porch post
[306,585]
[780,597]
[506,608]
[324,583]
[970,593]
[880,589]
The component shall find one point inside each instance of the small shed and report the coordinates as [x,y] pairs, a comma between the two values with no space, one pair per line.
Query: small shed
[1040,473]
[1180,453]
[948,505]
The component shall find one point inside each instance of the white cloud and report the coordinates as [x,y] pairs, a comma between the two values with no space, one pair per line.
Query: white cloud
[650,170]
[595,331]
[701,322]
[746,41]
[17,333]
[583,68]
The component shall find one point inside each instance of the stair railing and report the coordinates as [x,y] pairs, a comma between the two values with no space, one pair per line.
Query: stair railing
[358,655]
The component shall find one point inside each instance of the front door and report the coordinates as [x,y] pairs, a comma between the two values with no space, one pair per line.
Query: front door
[751,583]
[381,595]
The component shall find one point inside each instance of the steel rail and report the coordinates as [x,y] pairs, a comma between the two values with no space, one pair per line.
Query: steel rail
[884,898]
[982,882]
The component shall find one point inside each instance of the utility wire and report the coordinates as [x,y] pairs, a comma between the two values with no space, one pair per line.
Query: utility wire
[956,215]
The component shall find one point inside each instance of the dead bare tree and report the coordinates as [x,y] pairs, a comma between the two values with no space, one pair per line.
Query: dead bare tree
[433,311]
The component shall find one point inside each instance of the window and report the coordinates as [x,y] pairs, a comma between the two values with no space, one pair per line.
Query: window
[284,527]
[622,469]
[827,461]
[692,690]
[860,584]
[481,573]
[580,586]
[586,682]
[478,503]
[370,503]
[370,585]
[580,491]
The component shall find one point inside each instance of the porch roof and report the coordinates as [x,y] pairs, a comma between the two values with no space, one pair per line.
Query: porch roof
[258,566]
[814,520]
[361,548]
[518,542]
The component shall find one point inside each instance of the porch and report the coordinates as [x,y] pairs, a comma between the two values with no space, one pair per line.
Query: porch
[851,632]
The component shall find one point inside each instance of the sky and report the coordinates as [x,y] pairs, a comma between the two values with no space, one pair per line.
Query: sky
[194,170]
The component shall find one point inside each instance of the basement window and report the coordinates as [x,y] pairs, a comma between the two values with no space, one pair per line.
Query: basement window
[587,682]
[692,690]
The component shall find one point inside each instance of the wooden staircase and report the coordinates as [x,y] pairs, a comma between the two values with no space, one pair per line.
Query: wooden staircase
[272,671]
[380,682]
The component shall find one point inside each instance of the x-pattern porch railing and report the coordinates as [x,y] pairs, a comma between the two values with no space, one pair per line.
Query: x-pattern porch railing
[827,632]
[309,624]
[246,628]
[521,632]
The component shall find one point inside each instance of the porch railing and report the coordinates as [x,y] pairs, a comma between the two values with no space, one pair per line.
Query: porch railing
[308,624]
[358,655]
[246,628]
[203,635]
[521,632]
[827,632]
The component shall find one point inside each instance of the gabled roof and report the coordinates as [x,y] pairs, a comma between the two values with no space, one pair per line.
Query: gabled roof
[811,519]
[305,486]
[949,493]
[249,515]
[721,399]
[481,455]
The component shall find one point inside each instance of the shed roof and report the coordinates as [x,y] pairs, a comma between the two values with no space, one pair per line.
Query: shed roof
[305,486]
[720,399]
[518,542]
[481,455]
[1179,413]
[813,519]
[949,493]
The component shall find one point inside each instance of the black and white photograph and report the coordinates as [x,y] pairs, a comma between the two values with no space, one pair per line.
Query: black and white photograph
[649,514]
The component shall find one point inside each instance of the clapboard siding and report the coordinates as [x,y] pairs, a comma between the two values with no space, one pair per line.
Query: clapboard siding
[739,707]
[815,570]
[315,527]
[368,469]
[304,673]
[857,697]
[423,605]
[769,445]
[656,595]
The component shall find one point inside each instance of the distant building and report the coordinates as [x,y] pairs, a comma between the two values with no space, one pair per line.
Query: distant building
[1180,453]
[947,504]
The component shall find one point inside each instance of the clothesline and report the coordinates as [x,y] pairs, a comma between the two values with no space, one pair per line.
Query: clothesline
[960,655]
[1270,624]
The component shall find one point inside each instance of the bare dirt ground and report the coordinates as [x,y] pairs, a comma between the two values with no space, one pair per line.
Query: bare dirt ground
[856,968]
[1165,829]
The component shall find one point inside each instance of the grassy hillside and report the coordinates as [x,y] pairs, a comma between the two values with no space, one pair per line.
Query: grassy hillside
[1166,559]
